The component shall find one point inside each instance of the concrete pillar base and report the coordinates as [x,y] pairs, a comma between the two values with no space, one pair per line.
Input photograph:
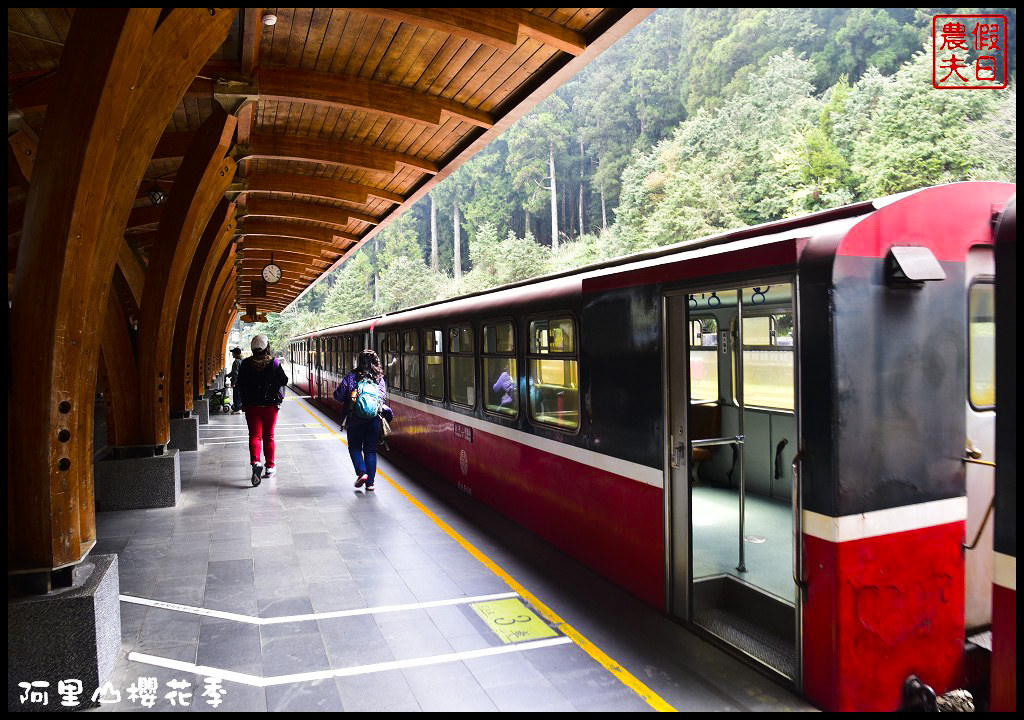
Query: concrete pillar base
[67,634]
[184,433]
[136,478]
[201,409]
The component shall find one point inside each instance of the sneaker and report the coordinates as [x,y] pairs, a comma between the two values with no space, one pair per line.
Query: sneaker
[362,479]
[270,472]
[257,474]
[369,488]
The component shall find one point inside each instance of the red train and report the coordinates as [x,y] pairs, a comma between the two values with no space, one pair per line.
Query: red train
[762,433]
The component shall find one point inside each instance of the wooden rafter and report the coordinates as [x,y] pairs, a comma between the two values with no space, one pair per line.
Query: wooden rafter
[252,33]
[281,228]
[314,187]
[266,207]
[499,28]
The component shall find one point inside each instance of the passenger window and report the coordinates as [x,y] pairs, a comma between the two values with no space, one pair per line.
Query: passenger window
[768,361]
[392,367]
[553,378]
[704,359]
[461,375]
[411,363]
[981,322]
[433,369]
[501,382]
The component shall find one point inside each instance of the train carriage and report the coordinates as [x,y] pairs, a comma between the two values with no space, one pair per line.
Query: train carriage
[761,433]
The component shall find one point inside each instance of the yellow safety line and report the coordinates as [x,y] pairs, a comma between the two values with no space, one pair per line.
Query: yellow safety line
[623,675]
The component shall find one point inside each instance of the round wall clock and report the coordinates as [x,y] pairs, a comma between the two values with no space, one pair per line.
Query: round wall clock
[271,273]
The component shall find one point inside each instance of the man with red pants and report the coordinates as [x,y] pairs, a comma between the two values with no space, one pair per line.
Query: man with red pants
[261,383]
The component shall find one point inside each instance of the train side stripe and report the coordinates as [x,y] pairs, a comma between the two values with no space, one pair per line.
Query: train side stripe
[607,463]
[1005,571]
[885,522]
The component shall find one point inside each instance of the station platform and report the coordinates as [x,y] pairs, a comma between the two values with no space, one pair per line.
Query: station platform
[306,594]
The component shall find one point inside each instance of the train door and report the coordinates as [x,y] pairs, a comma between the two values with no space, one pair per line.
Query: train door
[731,369]
[318,365]
[981,435]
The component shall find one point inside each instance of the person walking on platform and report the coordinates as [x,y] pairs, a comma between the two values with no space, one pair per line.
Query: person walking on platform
[363,395]
[236,406]
[261,383]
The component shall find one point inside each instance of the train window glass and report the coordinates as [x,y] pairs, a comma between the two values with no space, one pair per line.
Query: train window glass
[392,368]
[461,362]
[501,381]
[981,343]
[554,396]
[433,368]
[411,362]
[768,361]
[704,359]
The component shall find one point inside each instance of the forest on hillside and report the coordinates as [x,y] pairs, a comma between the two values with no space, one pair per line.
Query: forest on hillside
[698,121]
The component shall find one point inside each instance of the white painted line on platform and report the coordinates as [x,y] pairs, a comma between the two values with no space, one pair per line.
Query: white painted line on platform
[252,620]
[256,681]
[246,437]
[276,439]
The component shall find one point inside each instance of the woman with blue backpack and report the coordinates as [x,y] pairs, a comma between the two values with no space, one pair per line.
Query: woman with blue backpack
[363,394]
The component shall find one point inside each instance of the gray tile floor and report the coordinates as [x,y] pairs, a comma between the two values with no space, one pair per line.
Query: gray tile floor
[307,543]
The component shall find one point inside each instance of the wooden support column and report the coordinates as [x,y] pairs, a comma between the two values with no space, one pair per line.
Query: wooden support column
[225,286]
[221,273]
[51,517]
[214,339]
[204,176]
[216,237]
[121,378]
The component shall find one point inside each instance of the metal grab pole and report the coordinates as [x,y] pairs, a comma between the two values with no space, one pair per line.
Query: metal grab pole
[742,567]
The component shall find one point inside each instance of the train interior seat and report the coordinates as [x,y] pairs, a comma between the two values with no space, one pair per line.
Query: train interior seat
[705,423]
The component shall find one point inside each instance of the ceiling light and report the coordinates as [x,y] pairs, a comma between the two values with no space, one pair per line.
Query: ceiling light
[269,20]
[156,195]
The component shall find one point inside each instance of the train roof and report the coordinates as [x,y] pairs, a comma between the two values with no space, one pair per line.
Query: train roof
[569,282]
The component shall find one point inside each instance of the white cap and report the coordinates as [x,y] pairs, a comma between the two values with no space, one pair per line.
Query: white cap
[260,342]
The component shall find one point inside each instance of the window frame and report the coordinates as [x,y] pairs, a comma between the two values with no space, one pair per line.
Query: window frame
[441,354]
[387,337]
[448,354]
[715,349]
[975,281]
[514,355]
[415,333]
[768,312]
[574,355]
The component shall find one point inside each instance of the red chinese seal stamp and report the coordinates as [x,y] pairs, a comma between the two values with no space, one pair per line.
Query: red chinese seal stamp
[970,52]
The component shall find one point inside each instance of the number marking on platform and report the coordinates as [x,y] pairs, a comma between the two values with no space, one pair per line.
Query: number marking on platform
[512,621]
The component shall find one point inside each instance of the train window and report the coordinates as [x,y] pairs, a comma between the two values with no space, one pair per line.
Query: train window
[981,341]
[392,368]
[433,367]
[768,361]
[553,373]
[704,359]
[411,362]
[461,371]
[501,383]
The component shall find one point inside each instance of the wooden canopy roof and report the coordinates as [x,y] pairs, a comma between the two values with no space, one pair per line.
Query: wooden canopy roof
[346,117]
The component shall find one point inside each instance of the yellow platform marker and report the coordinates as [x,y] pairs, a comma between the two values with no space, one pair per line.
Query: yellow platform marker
[622,674]
[512,621]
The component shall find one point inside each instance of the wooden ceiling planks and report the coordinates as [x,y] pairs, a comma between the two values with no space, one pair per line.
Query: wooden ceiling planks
[322,161]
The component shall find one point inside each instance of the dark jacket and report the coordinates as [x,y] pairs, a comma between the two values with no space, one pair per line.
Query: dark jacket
[343,394]
[233,375]
[260,382]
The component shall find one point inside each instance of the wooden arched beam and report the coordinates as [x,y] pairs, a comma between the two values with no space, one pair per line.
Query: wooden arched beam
[283,228]
[51,520]
[222,271]
[215,238]
[296,209]
[265,256]
[182,43]
[204,177]
[314,187]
